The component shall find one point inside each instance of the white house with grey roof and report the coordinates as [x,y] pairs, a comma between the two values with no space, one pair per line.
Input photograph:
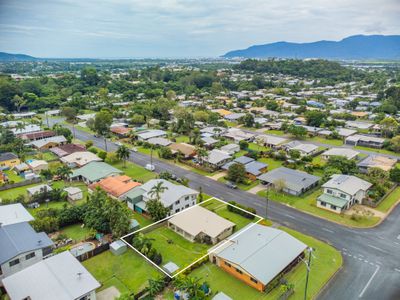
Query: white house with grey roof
[343,191]
[291,181]
[60,277]
[217,158]
[257,254]
[14,213]
[151,133]
[344,152]
[20,247]
[175,197]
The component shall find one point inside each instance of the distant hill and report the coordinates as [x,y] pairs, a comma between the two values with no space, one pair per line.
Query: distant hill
[358,47]
[16,57]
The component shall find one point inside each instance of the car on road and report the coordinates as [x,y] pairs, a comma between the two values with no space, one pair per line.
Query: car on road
[231,185]
[150,167]
[119,144]
[134,149]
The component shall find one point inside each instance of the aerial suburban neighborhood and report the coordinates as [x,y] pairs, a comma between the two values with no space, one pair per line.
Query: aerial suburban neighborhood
[271,172]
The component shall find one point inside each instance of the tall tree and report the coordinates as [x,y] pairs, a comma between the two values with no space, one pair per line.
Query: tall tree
[123,153]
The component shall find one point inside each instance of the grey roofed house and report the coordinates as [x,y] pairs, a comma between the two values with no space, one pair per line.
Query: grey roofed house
[271,141]
[376,161]
[171,194]
[152,133]
[296,182]
[255,167]
[344,132]
[221,296]
[60,277]
[170,267]
[234,116]
[95,171]
[213,131]
[59,139]
[306,148]
[38,189]
[347,183]
[27,129]
[346,152]
[238,135]
[209,141]
[19,238]
[216,157]
[21,167]
[14,213]
[261,251]
[159,141]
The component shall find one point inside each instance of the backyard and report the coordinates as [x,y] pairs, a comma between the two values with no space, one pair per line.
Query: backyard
[134,171]
[128,272]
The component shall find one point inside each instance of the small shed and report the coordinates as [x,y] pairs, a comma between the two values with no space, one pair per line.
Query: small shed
[134,224]
[74,193]
[118,247]
[221,296]
[170,267]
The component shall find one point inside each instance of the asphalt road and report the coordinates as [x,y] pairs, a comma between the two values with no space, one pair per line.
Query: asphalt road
[371,257]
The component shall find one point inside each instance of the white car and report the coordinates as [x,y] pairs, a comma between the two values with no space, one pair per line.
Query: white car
[150,167]
[119,144]
[134,149]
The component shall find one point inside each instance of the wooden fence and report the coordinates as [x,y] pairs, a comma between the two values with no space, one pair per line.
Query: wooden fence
[19,184]
[94,252]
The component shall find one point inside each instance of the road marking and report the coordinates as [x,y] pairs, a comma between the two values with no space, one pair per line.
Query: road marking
[290,216]
[328,230]
[366,261]
[369,282]
[361,255]
[372,264]
[398,237]
[344,249]
[397,270]
[397,243]
[372,246]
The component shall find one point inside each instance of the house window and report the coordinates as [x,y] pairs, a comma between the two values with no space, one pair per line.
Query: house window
[239,271]
[322,203]
[252,279]
[187,198]
[333,207]
[187,205]
[30,255]
[329,192]
[14,262]
[342,195]
[227,264]
[1,271]
[177,210]
[177,202]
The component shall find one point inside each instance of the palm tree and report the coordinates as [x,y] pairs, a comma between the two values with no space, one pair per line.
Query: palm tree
[201,153]
[155,286]
[123,153]
[157,190]
[64,172]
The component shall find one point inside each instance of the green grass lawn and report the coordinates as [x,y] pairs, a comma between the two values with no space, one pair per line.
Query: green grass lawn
[134,171]
[326,262]
[242,186]
[55,205]
[181,251]
[322,140]
[182,139]
[389,201]
[240,153]
[256,147]
[12,176]
[143,221]
[129,272]
[275,132]
[221,209]
[318,160]
[15,192]
[307,203]
[272,163]
[381,151]
[76,232]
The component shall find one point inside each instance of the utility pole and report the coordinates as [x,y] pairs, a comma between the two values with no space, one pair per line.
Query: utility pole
[308,264]
[267,198]
[105,143]
[47,118]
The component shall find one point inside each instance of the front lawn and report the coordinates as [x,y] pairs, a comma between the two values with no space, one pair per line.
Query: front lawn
[242,186]
[134,171]
[257,147]
[389,201]
[381,151]
[322,140]
[173,247]
[221,209]
[12,176]
[272,163]
[129,272]
[307,202]
[275,132]
[15,192]
[326,262]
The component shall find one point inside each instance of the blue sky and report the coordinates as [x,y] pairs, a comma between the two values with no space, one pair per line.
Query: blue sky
[187,28]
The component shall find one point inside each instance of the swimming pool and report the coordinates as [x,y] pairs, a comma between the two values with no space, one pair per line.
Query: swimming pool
[82,248]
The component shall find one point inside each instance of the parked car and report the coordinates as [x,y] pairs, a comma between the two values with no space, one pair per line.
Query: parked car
[231,185]
[134,149]
[150,167]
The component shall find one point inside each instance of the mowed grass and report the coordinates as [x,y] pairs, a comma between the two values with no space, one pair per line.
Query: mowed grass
[325,263]
[275,132]
[76,232]
[322,140]
[389,201]
[128,272]
[176,248]
[381,151]
[12,176]
[15,192]
[134,171]
[308,203]
[242,186]
[221,209]
[272,163]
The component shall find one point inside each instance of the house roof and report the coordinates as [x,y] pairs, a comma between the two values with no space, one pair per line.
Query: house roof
[378,161]
[54,139]
[215,156]
[116,185]
[27,129]
[60,277]
[7,156]
[120,130]
[255,167]
[38,135]
[14,213]
[198,219]
[336,201]
[171,194]
[159,141]
[243,160]
[221,296]
[306,148]
[72,190]
[19,238]
[294,180]
[209,140]
[347,183]
[184,148]
[230,147]
[348,153]
[37,163]
[38,189]
[80,158]
[95,171]
[365,138]
[147,134]
[261,251]
[271,140]
[67,149]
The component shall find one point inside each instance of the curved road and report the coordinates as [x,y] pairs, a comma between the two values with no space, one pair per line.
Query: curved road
[371,257]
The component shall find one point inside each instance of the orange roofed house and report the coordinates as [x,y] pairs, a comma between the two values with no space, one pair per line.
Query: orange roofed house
[115,186]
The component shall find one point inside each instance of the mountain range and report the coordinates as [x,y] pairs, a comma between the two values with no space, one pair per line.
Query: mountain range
[357,47]
[16,57]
